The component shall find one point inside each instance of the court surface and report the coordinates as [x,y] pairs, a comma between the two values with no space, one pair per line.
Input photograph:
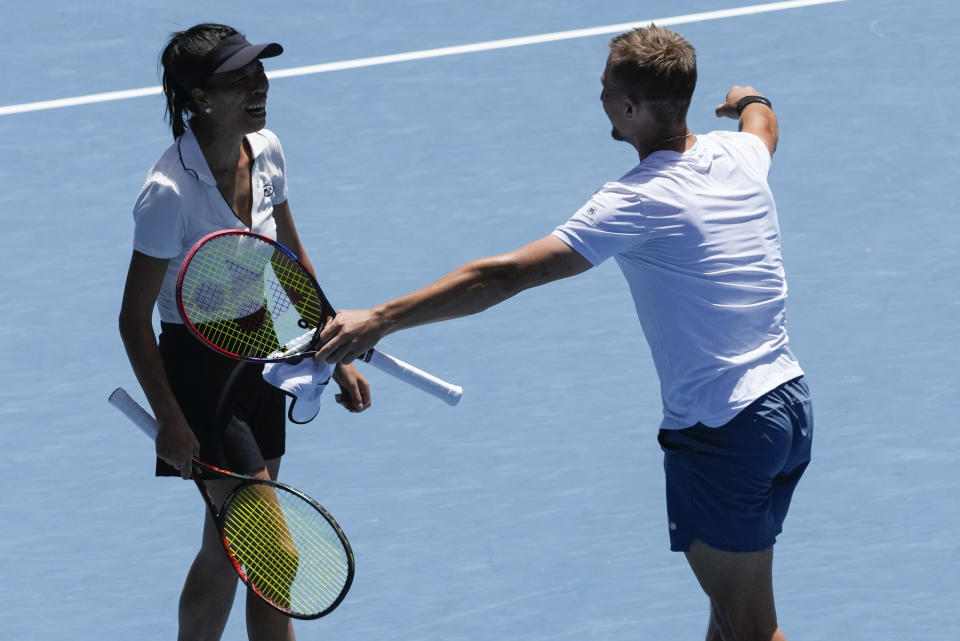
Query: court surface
[533,510]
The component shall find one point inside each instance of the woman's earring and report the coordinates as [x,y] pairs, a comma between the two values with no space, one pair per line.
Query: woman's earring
[208,110]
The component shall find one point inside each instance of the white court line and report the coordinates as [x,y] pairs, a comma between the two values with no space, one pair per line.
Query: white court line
[436,53]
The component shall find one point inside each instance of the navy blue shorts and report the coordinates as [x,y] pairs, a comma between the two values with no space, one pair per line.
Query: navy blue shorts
[731,486]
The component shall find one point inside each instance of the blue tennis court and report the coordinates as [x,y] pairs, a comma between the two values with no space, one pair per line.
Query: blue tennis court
[534,509]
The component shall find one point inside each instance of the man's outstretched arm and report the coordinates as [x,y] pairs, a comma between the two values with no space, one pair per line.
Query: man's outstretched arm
[756,118]
[469,289]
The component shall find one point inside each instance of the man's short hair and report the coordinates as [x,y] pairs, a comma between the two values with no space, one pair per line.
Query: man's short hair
[656,65]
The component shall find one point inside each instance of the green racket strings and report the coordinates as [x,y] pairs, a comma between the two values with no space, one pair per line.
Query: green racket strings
[248,297]
[289,552]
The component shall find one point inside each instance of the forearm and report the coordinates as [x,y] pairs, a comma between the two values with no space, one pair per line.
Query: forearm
[754,117]
[470,289]
[288,237]
[175,443]
[760,120]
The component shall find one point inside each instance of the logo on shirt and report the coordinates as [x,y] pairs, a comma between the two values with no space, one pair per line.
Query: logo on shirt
[267,191]
[588,213]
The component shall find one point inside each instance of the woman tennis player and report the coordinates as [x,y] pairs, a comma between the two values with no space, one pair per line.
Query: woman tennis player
[223,171]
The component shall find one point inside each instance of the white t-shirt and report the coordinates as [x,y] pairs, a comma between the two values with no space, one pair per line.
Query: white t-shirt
[697,238]
[180,203]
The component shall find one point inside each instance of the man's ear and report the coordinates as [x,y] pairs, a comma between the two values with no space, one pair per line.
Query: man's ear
[631,107]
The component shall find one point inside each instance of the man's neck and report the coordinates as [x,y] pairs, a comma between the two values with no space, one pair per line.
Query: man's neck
[677,138]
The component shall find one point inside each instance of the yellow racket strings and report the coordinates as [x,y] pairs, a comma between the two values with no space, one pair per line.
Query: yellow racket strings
[292,286]
[282,564]
[222,295]
[291,554]
[238,291]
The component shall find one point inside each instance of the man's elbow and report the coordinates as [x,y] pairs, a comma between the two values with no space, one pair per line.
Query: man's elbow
[499,275]
[772,142]
[773,134]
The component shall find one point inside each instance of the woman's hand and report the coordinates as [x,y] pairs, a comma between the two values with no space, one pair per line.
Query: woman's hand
[177,445]
[354,388]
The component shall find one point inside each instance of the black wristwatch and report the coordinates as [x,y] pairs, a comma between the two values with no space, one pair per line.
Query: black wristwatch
[748,100]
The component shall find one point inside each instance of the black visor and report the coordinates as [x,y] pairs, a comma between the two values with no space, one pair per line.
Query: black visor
[234,52]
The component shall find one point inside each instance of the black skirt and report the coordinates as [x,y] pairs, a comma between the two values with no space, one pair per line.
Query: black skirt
[238,418]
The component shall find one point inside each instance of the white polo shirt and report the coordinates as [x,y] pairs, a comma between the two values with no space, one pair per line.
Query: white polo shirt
[180,203]
[697,238]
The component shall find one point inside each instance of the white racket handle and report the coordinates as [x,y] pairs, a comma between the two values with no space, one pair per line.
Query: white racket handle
[446,392]
[122,401]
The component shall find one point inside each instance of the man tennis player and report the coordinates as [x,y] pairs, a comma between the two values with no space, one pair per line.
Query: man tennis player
[694,229]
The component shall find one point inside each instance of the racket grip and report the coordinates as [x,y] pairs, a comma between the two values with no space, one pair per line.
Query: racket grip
[446,392]
[123,402]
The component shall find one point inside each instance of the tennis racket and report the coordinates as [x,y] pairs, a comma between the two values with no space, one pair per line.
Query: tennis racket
[249,297]
[284,546]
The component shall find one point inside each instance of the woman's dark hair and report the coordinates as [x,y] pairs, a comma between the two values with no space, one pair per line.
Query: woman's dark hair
[181,59]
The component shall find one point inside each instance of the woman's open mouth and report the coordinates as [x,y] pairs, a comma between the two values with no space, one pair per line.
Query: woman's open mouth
[257,110]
